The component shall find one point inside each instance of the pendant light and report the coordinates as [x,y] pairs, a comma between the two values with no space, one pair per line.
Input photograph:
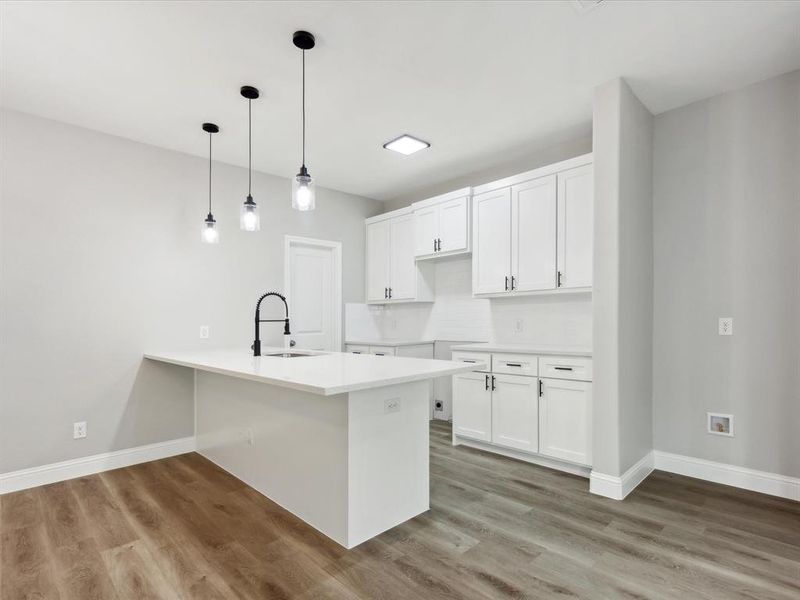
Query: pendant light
[248,216]
[210,235]
[303,184]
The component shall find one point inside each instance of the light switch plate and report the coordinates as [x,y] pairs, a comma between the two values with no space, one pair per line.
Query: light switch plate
[205,332]
[726,325]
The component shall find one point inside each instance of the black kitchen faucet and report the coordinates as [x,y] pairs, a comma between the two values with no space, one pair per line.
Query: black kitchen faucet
[257,343]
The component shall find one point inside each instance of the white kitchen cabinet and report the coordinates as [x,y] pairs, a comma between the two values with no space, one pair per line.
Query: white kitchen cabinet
[403,269]
[472,412]
[575,225]
[392,274]
[565,420]
[533,235]
[378,260]
[515,412]
[491,246]
[443,225]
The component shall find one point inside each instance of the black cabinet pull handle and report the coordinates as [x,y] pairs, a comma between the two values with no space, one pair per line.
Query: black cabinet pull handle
[506,282]
[434,245]
[390,293]
[541,392]
[385,293]
[558,282]
[508,364]
[512,282]
[439,244]
[469,361]
[563,368]
[486,381]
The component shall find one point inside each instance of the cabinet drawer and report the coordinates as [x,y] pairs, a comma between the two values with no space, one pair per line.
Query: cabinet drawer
[474,357]
[515,364]
[357,349]
[566,367]
[383,350]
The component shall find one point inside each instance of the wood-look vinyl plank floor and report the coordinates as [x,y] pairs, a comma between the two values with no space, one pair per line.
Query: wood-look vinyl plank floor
[182,528]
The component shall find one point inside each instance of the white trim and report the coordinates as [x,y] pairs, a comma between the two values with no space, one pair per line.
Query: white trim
[536,459]
[433,201]
[617,488]
[89,465]
[563,165]
[400,212]
[741,477]
[338,308]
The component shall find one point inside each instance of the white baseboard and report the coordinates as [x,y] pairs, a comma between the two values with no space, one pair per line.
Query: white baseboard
[741,477]
[88,465]
[617,488]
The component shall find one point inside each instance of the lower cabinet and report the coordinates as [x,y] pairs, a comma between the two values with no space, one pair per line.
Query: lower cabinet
[515,412]
[472,412]
[565,420]
[537,415]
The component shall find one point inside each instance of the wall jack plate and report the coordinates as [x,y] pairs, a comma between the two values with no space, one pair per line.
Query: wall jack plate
[79,430]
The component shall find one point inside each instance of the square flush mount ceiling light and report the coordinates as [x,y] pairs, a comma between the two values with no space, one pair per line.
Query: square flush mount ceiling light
[406,144]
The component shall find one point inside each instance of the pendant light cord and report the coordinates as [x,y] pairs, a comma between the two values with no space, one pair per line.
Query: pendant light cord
[304,108]
[249,146]
[209,173]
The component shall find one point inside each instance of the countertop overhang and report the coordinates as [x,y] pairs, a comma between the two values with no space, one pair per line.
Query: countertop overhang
[325,374]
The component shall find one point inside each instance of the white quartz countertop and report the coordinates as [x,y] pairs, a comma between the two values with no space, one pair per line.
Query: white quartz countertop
[319,373]
[524,349]
[389,342]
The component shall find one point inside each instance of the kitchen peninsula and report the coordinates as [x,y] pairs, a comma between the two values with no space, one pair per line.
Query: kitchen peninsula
[338,439]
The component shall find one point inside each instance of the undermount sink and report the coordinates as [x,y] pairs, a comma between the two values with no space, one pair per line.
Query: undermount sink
[287,354]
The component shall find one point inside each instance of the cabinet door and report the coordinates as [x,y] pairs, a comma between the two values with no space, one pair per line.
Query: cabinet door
[427,228]
[515,412]
[472,406]
[402,265]
[565,420]
[377,260]
[575,224]
[533,234]
[491,241]
[454,225]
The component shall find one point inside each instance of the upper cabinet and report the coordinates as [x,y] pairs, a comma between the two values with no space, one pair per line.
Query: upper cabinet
[532,233]
[443,225]
[392,274]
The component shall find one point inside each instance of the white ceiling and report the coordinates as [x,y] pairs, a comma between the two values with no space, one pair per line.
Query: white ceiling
[482,81]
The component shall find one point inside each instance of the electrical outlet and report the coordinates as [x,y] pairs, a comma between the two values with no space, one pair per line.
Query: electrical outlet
[391,405]
[205,332]
[726,325]
[79,430]
[519,325]
[438,406]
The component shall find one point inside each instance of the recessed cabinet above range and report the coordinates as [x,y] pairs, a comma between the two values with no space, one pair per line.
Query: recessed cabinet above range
[532,233]
[443,225]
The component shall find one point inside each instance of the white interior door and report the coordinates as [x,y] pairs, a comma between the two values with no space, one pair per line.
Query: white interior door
[377,260]
[533,234]
[575,222]
[491,248]
[314,292]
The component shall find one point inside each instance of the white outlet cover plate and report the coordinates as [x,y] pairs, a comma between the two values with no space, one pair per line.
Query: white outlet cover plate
[79,430]
[726,325]
[205,332]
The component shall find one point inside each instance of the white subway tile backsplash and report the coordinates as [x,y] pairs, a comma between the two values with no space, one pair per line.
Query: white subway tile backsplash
[455,315]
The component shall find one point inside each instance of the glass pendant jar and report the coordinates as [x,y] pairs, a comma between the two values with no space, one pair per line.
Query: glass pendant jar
[248,216]
[303,195]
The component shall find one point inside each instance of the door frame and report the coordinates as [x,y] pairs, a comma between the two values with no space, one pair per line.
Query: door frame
[336,292]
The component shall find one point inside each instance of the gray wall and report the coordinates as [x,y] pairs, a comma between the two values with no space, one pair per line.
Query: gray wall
[581,144]
[101,259]
[623,285]
[727,244]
